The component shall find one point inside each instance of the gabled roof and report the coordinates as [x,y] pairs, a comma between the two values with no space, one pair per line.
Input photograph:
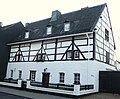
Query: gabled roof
[81,21]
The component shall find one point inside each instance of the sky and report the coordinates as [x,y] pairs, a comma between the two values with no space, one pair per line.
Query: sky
[26,11]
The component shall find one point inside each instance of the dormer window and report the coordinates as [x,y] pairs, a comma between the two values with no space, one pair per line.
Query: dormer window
[26,35]
[49,30]
[66,26]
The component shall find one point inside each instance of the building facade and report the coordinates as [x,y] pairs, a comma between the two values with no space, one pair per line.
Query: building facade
[7,34]
[67,49]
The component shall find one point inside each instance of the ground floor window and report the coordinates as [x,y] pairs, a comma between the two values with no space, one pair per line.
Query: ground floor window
[11,74]
[32,75]
[20,74]
[76,78]
[62,76]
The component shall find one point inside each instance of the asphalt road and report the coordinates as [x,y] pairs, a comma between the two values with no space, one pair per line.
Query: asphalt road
[10,93]
[10,96]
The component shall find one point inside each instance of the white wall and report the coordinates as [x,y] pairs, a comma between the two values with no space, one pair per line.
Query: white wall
[101,44]
[89,70]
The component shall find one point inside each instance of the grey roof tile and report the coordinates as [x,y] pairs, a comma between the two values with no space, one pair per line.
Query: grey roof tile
[82,20]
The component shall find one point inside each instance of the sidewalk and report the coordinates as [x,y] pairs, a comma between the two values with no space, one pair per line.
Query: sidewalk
[28,94]
[32,95]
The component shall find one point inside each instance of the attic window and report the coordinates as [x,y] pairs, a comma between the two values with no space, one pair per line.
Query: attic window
[106,35]
[66,26]
[26,35]
[49,30]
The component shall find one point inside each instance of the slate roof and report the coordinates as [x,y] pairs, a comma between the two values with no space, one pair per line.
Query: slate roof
[81,21]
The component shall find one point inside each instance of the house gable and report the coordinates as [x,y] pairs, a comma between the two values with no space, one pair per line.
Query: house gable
[104,39]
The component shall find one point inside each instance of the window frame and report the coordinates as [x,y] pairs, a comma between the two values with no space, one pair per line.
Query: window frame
[69,55]
[40,57]
[32,75]
[106,35]
[11,75]
[49,30]
[107,57]
[66,26]
[76,78]
[76,54]
[27,34]
[18,57]
[61,77]
[20,74]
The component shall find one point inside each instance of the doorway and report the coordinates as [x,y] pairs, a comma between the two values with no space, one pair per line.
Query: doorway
[45,79]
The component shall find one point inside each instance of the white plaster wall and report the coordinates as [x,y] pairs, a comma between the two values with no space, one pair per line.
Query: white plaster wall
[89,70]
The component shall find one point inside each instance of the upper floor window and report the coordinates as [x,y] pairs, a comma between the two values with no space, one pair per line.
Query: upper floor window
[106,35]
[62,76]
[18,56]
[32,75]
[69,54]
[66,26]
[76,54]
[40,57]
[49,30]
[26,34]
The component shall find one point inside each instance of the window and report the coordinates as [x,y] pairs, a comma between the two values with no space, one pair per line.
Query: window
[18,56]
[26,35]
[76,78]
[106,35]
[32,75]
[69,54]
[107,57]
[62,76]
[66,26]
[11,74]
[49,29]
[20,74]
[40,57]
[76,55]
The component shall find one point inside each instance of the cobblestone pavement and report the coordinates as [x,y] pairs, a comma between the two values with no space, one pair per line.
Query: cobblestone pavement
[20,94]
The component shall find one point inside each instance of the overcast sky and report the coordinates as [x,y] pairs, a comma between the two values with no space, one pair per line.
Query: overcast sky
[12,11]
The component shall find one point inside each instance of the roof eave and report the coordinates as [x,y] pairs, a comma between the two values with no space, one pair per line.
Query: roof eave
[49,38]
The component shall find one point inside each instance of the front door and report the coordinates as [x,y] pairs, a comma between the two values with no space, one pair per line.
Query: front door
[45,79]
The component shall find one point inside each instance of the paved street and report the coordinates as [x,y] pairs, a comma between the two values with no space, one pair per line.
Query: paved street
[28,95]
[9,96]
[10,93]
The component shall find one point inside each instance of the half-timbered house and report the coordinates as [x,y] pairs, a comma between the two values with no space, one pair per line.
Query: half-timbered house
[66,49]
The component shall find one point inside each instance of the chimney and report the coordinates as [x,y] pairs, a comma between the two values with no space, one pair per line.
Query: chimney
[55,15]
[1,24]
[27,24]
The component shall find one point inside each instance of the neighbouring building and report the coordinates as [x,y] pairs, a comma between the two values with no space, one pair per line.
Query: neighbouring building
[66,49]
[7,34]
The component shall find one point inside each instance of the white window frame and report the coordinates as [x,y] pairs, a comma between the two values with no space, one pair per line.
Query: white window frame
[26,35]
[76,78]
[66,26]
[69,54]
[49,30]
[62,77]
[76,54]
[20,74]
[32,75]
